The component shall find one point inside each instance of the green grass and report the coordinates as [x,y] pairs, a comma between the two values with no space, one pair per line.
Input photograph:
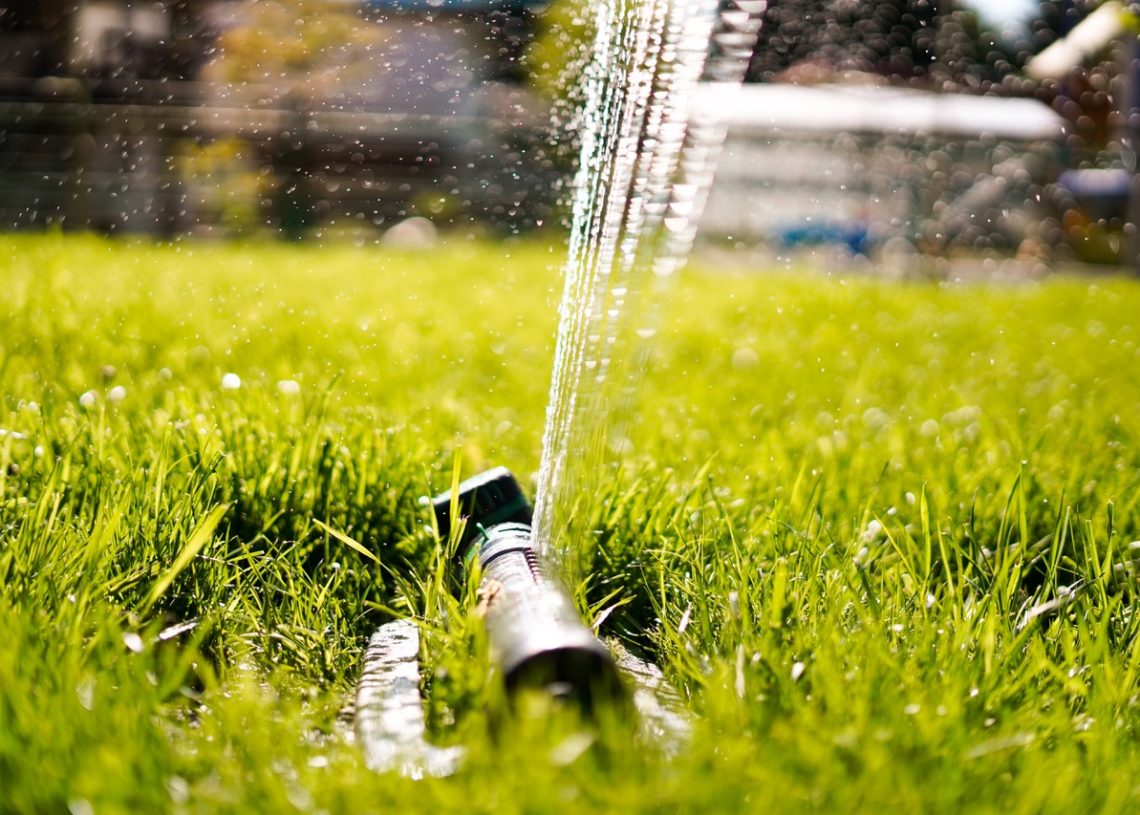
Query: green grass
[851,491]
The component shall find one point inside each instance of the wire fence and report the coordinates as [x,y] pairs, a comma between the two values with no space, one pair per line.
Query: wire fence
[208,159]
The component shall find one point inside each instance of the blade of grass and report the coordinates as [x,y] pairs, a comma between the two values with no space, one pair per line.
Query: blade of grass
[201,535]
[355,545]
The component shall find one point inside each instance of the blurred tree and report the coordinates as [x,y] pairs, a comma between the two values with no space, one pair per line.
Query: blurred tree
[556,56]
[934,44]
[942,44]
[301,44]
[893,36]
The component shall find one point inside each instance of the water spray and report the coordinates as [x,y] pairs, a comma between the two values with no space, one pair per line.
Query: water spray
[645,167]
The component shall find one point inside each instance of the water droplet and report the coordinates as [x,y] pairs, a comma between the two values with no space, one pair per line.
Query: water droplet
[744,359]
[85,692]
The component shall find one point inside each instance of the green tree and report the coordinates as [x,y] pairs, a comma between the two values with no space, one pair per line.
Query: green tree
[304,45]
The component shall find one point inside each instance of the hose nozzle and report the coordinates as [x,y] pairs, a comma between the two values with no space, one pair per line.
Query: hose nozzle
[536,636]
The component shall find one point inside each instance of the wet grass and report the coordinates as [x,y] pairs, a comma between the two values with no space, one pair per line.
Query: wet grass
[879,534]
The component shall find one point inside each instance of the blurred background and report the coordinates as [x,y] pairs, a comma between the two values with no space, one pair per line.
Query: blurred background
[895,133]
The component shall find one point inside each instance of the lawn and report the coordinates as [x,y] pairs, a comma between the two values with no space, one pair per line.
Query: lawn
[878,534]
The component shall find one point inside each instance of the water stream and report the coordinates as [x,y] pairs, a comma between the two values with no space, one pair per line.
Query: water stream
[645,168]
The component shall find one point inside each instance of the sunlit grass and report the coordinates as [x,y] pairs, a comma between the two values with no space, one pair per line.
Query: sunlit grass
[877,533]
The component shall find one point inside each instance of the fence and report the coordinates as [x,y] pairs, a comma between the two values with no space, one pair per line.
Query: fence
[208,157]
[872,166]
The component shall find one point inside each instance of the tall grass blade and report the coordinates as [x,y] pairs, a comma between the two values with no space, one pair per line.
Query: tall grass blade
[197,540]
